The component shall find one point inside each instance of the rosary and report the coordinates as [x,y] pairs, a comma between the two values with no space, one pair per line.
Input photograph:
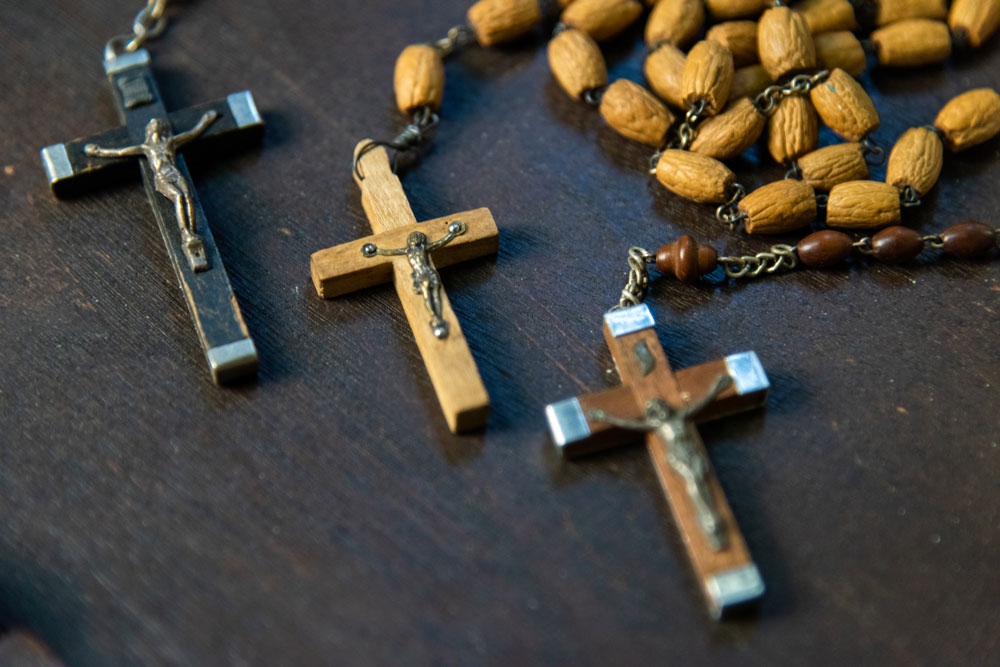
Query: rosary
[762,66]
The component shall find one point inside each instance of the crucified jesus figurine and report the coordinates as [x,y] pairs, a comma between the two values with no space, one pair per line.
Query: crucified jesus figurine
[160,149]
[676,430]
[426,279]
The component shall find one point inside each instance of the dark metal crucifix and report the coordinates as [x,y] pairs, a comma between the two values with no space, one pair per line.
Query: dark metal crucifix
[665,406]
[148,134]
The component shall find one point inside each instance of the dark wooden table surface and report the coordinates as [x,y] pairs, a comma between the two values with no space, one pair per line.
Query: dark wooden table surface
[324,514]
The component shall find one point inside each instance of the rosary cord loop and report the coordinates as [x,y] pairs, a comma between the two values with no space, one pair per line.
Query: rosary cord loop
[729,213]
[638,278]
[414,135]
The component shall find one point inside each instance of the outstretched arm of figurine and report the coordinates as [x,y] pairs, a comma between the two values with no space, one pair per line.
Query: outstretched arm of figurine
[721,383]
[96,151]
[455,229]
[630,424]
[207,119]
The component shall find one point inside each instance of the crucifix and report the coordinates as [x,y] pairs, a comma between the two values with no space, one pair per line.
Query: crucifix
[409,253]
[665,406]
[153,137]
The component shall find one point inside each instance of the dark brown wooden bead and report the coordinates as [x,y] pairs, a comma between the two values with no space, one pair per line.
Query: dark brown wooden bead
[825,248]
[897,244]
[687,259]
[968,240]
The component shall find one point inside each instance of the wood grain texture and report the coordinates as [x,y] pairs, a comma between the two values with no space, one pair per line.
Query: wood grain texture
[151,518]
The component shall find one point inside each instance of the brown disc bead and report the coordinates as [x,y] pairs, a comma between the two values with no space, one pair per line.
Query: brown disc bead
[896,245]
[969,240]
[687,259]
[824,249]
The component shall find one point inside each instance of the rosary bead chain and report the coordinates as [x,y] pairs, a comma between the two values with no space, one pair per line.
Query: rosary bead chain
[148,24]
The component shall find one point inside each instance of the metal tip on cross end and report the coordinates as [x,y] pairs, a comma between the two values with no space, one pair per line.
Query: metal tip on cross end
[369,250]
[440,330]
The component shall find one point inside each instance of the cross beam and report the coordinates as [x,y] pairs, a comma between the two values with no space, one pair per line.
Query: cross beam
[715,546]
[70,168]
[412,268]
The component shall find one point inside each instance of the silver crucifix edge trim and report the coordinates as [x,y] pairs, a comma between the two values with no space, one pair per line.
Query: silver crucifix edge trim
[244,110]
[747,372]
[567,423]
[734,588]
[55,159]
[233,360]
[629,320]
[126,60]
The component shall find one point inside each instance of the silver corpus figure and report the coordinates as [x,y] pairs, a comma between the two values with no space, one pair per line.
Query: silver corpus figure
[160,149]
[677,434]
[426,279]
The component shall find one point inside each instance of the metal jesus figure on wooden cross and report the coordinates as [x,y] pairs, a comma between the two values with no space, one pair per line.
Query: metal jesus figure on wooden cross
[401,250]
[147,132]
[160,149]
[665,405]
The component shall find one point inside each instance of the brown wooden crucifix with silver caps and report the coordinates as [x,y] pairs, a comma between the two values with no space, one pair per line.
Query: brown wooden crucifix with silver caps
[409,253]
[665,405]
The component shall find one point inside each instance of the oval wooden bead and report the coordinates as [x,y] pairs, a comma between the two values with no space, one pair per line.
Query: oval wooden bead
[845,106]
[974,21]
[896,245]
[779,207]
[675,21]
[708,76]
[687,259]
[419,78]
[970,119]
[749,81]
[792,129]
[841,49]
[969,240]
[830,165]
[890,11]
[824,248]
[635,113]
[664,71]
[784,42]
[722,10]
[731,132]
[694,176]
[827,15]
[912,42]
[577,62]
[916,160]
[862,205]
[740,37]
[601,19]
[496,21]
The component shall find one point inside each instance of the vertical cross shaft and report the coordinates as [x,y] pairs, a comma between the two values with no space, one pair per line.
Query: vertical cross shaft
[656,400]
[223,334]
[355,265]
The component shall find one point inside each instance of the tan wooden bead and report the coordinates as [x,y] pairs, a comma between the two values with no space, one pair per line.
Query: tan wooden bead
[913,42]
[845,106]
[694,176]
[974,21]
[830,165]
[419,78]
[708,76]
[601,19]
[730,133]
[664,70]
[675,21]
[784,42]
[890,11]
[722,10]
[862,205]
[970,119]
[749,81]
[792,129]
[916,160]
[841,49]
[827,15]
[635,113]
[577,62]
[740,37]
[779,207]
[496,21]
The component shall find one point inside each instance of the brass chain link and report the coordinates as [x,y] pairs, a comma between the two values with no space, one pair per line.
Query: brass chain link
[638,278]
[800,84]
[148,24]
[751,266]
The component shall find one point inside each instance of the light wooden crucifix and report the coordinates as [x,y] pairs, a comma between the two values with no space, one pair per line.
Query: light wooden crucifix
[665,406]
[408,253]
